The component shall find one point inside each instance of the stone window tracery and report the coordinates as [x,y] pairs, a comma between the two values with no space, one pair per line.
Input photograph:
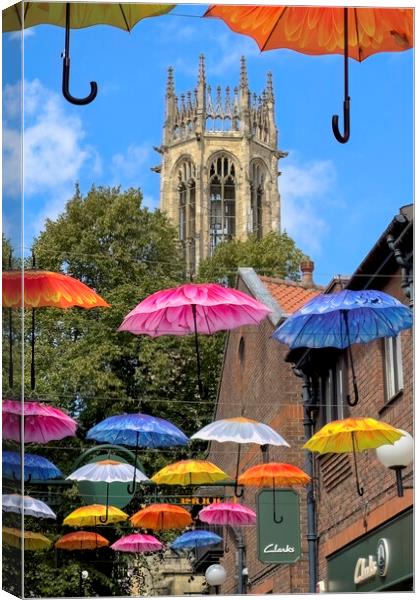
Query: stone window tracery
[257,188]
[186,212]
[222,196]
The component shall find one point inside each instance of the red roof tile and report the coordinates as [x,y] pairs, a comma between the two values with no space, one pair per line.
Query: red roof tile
[288,294]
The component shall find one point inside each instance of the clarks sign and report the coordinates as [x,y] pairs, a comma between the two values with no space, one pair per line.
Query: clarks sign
[278,542]
[367,568]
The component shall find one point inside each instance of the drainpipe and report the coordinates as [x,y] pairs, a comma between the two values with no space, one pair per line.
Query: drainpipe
[406,268]
[240,547]
[312,536]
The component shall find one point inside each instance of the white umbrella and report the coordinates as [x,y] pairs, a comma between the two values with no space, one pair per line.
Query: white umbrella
[240,430]
[31,506]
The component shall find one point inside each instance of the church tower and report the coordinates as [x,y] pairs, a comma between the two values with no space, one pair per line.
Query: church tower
[219,164]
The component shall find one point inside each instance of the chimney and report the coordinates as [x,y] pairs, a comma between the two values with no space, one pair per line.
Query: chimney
[307,268]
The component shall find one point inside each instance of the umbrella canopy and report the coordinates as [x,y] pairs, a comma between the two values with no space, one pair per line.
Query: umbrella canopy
[227,513]
[189,472]
[42,422]
[274,474]
[89,516]
[194,308]
[32,540]
[344,318]
[44,288]
[137,542]
[35,467]
[108,471]
[81,540]
[195,539]
[354,32]
[353,435]
[162,516]
[31,507]
[76,15]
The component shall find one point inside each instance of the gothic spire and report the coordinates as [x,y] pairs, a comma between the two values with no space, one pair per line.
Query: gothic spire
[201,70]
[269,87]
[170,87]
[244,74]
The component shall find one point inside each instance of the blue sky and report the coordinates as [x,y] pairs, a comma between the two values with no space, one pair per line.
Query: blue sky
[336,199]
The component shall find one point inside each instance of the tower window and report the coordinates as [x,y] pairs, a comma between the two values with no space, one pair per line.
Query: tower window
[222,201]
[257,197]
[186,213]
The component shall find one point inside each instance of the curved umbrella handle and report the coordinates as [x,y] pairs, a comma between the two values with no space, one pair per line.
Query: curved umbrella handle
[351,402]
[238,493]
[275,519]
[105,519]
[343,139]
[360,489]
[131,487]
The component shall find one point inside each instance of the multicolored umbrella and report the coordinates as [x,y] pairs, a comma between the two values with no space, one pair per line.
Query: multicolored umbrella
[42,422]
[189,472]
[227,513]
[162,516]
[35,467]
[109,471]
[32,540]
[194,308]
[344,318]
[137,430]
[274,475]
[44,289]
[137,542]
[76,15]
[89,516]
[355,32]
[81,540]
[240,430]
[195,539]
[353,435]
[31,507]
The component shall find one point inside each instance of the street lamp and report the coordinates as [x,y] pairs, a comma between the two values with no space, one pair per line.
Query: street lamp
[215,576]
[83,576]
[397,456]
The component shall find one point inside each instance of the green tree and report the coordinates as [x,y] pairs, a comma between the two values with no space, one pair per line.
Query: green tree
[275,255]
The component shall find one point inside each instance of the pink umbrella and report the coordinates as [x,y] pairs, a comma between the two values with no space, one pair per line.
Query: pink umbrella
[42,422]
[137,542]
[227,513]
[194,308]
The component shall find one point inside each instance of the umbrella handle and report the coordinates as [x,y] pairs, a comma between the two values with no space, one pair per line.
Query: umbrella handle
[238,493]
[66,70]
[105,519]
[343,139]
[131,487]
[360,489]
[275,519]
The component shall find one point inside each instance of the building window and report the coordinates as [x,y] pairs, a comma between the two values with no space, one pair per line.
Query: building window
[334,390]
[257,196]
[186,213]
[393,366]
[222,201]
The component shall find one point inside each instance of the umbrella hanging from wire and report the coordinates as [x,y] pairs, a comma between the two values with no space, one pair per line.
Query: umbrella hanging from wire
[137,542]
[189,472]
[30,507]
[272,475]
[162,516]
[195,539]
[81,540]
[108,471]
[138,430]
[89,516]
[31,539]
[192,309]
[344,318]
[240,430]
[77,15]
[354,32]
[44,289]
[353,435]
[227,513]
[35,467]
[42,422]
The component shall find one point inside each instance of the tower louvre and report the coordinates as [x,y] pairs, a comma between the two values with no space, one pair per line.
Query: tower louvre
[219,164]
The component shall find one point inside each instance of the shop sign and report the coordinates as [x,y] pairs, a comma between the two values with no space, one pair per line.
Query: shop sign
[278,543]
[367,568]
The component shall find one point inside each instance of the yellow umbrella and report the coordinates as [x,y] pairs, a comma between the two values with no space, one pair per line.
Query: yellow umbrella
[32,540]
[352,435]
[91,515]
[76,15]
[189,472]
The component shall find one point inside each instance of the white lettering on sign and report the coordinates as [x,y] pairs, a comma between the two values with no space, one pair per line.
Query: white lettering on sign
[365,569]
[276,549]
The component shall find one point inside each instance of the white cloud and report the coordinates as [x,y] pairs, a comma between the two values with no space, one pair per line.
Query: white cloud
[17,35]
[305,187]
[127,167]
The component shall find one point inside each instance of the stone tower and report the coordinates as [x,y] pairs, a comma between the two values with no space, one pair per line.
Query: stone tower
[220,164]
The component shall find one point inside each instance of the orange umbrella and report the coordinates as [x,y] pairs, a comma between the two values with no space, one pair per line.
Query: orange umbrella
[272,475]
[42,289]
[354,32]
[81,540]
[162,516]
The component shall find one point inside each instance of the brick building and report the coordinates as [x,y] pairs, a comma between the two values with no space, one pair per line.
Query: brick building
[259,381]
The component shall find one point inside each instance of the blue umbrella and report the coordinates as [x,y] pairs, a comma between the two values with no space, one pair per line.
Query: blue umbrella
[195,539]
[344,318]
[137,429]
[35,467]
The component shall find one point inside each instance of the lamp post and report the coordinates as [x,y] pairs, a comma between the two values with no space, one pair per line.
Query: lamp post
[215,576]
[397,456]
[83,576]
